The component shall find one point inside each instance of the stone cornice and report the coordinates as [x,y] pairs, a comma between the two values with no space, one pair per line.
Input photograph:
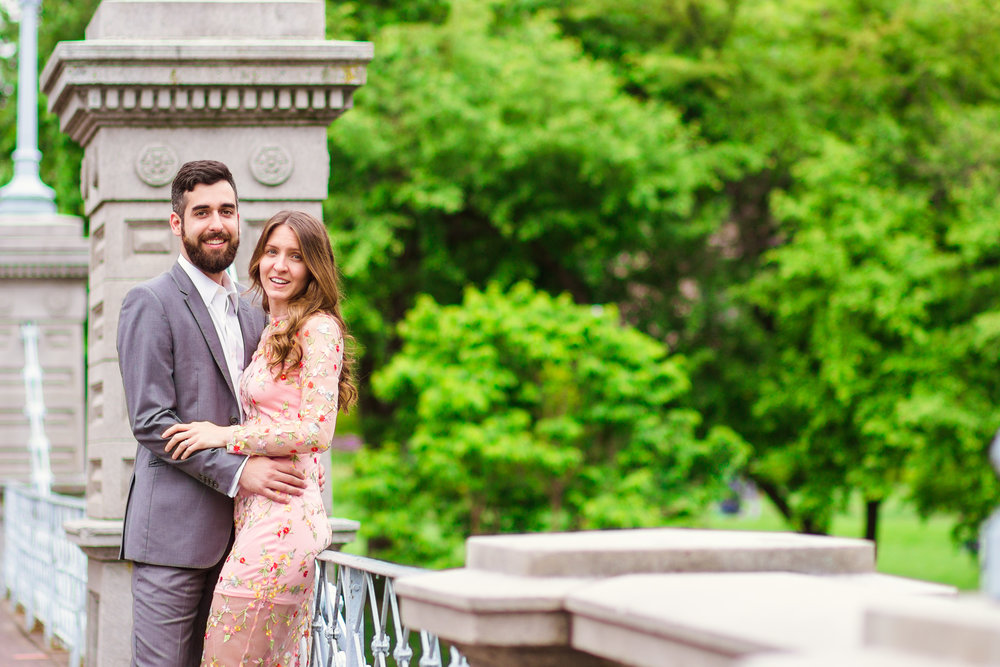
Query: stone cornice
[43,246]
[123,83]
[43,271]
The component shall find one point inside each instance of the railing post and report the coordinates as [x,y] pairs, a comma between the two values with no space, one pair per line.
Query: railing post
[355,593]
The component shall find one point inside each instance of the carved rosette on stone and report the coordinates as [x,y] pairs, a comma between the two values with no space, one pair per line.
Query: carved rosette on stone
[157,164]
[271,165]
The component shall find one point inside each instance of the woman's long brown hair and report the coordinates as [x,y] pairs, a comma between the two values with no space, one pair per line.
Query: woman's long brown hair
[321,295]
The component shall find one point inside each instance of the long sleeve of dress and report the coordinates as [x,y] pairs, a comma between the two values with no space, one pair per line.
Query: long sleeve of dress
[311,427]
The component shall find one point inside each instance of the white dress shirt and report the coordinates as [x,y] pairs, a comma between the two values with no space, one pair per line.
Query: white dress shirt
[223,304]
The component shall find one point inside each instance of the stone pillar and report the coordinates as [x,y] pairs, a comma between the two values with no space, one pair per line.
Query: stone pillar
[43,279]
[154,84]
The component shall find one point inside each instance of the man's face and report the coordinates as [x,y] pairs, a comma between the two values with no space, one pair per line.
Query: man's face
[210,228]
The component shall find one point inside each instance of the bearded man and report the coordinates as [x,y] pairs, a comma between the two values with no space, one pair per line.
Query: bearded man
[184,337]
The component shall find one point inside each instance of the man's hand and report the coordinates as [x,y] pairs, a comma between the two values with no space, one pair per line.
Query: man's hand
[275,479]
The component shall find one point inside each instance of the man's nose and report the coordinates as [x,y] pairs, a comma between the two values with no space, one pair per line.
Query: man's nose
[214,221]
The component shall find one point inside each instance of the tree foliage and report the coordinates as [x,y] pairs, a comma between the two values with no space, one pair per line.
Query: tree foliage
[486,154]
[518,411]
[831,270]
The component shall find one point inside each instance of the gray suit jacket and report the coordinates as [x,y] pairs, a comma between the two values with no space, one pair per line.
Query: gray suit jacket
[174,370]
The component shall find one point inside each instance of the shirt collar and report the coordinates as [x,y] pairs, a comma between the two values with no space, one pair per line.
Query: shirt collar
[207,288]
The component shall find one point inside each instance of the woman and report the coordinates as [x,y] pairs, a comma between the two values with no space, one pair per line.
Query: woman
[290,392]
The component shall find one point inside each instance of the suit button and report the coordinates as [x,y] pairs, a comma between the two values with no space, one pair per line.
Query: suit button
[233,421]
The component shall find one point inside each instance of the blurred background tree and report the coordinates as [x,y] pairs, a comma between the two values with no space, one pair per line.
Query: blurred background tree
[520,412]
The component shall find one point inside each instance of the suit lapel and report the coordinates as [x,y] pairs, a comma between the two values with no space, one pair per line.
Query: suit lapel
[249,327]
[201,315]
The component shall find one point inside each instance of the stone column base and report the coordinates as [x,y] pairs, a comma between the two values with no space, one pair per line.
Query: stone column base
[109,591]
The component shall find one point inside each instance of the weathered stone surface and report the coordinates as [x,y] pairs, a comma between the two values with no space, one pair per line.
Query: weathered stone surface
[475,607]
[91,85]
[615,552]
[963,629]
[178,19]
[858,658]
[714,616]
[926,631]
[43,271]
[722,618]
[495,619]
[42,246]
[718,619]
[672,612]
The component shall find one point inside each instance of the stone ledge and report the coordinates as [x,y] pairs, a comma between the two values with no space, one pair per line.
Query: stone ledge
[489,592]
[860,658]
[495,620]
[616,552]
[701,618]
[715,615]
[43,246]
[345,531]
[965,629]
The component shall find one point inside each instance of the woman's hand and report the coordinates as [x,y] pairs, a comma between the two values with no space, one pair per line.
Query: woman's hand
[188,438]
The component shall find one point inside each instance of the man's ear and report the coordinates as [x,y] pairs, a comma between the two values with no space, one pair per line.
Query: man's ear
[175,223]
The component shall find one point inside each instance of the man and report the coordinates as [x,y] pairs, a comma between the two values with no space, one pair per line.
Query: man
[183,339]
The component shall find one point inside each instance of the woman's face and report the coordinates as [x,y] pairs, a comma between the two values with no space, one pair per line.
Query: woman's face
[283,272]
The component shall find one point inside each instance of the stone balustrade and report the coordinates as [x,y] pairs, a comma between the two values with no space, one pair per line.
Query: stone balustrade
[685,597]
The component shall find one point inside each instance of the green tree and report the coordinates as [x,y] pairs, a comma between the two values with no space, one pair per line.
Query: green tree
[480,153]
[518,411]
[852,143]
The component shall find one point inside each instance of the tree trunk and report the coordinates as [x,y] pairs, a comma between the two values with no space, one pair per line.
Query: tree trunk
[775,496]
[871,520]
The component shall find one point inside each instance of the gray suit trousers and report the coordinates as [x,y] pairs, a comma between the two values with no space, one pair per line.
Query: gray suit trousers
[171,604]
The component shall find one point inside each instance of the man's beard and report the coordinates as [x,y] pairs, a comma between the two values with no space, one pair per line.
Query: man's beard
[210,261]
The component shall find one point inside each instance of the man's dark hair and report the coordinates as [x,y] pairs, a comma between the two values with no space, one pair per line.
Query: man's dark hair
[198,172]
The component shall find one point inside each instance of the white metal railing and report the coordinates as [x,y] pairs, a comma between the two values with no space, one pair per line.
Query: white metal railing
[340,634]
[34,408]
[43,572]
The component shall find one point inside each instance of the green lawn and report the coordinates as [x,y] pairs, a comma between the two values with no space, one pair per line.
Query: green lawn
[908,545]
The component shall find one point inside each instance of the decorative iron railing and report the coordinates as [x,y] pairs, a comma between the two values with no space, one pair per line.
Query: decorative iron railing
[43,572]
[347,587]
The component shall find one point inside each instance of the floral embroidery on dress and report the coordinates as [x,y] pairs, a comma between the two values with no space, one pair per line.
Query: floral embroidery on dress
[261,603]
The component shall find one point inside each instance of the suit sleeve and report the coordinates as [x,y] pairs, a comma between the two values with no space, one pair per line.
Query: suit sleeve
[319,380]
[146,360]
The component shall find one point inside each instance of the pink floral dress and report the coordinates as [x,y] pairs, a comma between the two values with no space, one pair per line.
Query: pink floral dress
[260,611]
